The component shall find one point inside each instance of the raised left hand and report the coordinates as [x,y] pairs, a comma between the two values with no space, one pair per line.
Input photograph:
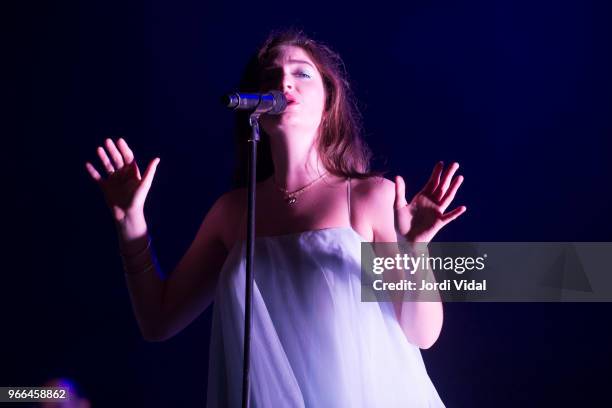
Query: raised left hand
[422,218]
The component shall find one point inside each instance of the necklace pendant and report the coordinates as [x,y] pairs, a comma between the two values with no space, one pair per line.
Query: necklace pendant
[291,200]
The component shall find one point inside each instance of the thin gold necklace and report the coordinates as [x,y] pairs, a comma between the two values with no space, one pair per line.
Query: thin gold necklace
[291,196]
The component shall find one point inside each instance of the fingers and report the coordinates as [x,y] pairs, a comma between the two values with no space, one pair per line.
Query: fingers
[434,180]
[112,149]
[138,176]
[127,153]
[400,193]
[448,217]
[105,160]
[446,179]
[93,172]
[147,179]
[450,194]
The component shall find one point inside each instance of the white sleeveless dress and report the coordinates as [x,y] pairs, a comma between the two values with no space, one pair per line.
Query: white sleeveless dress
[314,343]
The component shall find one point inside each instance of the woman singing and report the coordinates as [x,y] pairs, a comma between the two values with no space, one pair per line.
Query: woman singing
[314,343]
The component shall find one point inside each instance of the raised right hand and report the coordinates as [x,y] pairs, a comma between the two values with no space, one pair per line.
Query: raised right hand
[124,190]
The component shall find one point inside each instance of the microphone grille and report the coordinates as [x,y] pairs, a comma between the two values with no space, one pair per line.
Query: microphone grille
[280,102]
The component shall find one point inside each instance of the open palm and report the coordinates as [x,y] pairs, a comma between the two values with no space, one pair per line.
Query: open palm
[422,218]
[125,191]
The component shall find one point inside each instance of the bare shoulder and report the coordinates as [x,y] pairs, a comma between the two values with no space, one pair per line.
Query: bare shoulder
[373,200]
[232,207]
[232,199]
[227,209]
[374,192]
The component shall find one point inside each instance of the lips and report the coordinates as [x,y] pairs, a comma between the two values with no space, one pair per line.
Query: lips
[290,99]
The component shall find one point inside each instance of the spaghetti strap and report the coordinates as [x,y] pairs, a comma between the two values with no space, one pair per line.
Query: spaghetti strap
[348,195]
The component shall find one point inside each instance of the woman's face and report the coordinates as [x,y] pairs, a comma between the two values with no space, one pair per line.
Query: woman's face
[293,72]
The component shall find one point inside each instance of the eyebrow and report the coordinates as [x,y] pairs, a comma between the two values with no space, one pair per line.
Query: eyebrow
[293,62]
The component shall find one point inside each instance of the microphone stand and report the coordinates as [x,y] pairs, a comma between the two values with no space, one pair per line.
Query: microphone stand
[274,102]
[252,178]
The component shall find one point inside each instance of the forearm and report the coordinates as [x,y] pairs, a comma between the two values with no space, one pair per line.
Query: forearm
[143,275]
[421,322]
[419,313]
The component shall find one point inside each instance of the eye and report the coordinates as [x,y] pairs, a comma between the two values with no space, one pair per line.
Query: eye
[305,75]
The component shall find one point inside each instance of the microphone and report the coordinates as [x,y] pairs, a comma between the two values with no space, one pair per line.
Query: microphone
[273,102]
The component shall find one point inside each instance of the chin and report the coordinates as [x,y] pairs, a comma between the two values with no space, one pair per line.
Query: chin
[281,123]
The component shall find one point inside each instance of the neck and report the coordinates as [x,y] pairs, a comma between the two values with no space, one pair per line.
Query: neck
[296,160]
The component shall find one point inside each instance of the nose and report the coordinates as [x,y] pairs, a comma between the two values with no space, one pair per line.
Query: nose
[287,82]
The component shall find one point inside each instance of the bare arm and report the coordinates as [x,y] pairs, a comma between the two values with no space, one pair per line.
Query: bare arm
[421,321]
[145,286]
[190,289]
[164,307]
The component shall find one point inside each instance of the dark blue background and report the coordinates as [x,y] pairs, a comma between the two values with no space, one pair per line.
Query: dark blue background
[518,92]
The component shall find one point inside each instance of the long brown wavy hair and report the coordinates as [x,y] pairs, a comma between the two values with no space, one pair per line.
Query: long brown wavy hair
[340,145]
